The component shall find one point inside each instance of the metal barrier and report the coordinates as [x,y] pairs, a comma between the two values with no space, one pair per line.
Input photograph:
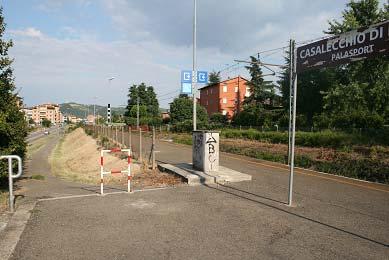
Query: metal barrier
[11,176]
[102,172]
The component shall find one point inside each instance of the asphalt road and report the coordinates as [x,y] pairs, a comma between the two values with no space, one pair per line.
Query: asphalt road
[333,218]
[40,133]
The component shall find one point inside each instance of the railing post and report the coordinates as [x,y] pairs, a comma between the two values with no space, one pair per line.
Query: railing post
[11,177]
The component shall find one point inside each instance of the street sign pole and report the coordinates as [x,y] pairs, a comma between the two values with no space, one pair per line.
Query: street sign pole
[290,97]
[194,67]
[293,134]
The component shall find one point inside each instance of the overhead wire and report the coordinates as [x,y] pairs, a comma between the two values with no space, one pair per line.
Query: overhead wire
[168,93]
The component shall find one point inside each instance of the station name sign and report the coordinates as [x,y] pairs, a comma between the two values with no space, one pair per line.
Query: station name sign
[344,48]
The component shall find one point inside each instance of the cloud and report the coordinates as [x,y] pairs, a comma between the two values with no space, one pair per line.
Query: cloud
[231,26]
[56,5]
[51,69]
[28,32]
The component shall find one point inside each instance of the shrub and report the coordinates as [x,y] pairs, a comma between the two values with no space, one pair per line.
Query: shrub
[187,126]
[311,139]
[218,118]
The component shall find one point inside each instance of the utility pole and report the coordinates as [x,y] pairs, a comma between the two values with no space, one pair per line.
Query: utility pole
[194,74]
[137,112]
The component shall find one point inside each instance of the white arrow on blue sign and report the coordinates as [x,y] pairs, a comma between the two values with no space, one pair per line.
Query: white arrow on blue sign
[186,76]
[202,77]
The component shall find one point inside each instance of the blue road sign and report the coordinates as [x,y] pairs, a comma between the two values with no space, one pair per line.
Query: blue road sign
[186,76]
[202,77]
[186,88]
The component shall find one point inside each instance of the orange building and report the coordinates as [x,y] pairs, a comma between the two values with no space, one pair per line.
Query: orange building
[225,97]
[49,111]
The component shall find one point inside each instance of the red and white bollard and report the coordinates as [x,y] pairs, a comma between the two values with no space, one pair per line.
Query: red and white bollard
[128,171]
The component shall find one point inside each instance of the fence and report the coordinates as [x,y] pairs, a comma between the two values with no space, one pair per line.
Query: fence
[142,143]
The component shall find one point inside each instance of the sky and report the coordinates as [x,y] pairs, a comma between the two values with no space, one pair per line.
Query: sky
[66,50]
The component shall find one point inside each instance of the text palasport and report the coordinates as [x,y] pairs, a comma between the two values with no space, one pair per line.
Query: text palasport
[344,48]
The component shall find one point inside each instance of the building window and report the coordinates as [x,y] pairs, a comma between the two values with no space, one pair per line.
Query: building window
[211,91]
[236,89]
[224,100]
[225,88]
[207,91]
[224,112]
[247,92]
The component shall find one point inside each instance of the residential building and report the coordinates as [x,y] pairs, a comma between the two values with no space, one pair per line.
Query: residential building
[48,111]
[27,113]
[74,119]
[225,97]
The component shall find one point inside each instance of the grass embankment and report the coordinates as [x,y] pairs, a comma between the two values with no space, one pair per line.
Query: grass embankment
[77,158]
[36,145]
[335,153]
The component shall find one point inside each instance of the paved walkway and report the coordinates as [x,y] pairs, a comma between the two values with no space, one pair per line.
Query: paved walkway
[333,218]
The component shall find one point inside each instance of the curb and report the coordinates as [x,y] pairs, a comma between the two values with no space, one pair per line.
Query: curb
[10,236]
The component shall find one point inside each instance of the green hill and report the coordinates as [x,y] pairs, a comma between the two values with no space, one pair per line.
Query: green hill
[81,110]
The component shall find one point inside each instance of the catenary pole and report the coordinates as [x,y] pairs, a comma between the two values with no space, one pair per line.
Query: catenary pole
[291,166]
[194,66]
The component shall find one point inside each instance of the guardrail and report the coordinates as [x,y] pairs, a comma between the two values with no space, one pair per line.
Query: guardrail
[11,176]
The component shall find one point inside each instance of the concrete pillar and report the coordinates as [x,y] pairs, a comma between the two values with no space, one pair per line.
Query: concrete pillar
[205,150]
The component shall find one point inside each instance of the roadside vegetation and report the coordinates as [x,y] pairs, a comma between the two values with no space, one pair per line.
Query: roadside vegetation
[36,145]
[77,158]
[369,163]
[13,127]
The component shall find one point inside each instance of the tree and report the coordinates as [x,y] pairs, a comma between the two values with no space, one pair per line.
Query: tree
[117,117]
[31,121]
[310,88]
[13,126]
[46,123]
[181,109]
[147,97]
[148,104]
[260,91]
[368,78]
[214,77]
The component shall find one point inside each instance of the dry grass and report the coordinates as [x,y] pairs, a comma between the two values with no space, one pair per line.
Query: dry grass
[3,201]
[77,158]
[36,145]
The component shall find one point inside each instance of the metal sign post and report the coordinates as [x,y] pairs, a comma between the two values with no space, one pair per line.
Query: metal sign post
[11,177]
[292,119]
